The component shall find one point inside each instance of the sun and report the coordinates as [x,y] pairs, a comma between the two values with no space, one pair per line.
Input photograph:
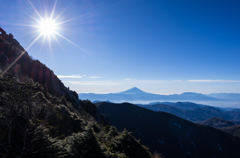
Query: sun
[47,27]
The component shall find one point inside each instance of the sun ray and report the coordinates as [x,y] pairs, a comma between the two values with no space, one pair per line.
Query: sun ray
[27,25]
[50,45]
[63,22]
[61,46]
[59,15]
[32,17]
[42,44]
[70,41]
[35,10]
[53,10]
[29,33]
[57,41]
[23,52]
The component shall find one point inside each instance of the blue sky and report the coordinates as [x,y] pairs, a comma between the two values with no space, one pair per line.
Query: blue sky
[164,47]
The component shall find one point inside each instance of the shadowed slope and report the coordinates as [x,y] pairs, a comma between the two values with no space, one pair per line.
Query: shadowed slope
[169,134]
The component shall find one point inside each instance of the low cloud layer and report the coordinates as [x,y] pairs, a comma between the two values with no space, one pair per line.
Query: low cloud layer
[95,77]
[214,81]
[70,76]
[97,83]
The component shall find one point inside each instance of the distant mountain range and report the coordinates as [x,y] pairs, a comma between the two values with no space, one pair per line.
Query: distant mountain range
[171,135]
[135,94]
[224,125]
[234,130]
[181,105]
[225,96]
[216,122]
[194,112]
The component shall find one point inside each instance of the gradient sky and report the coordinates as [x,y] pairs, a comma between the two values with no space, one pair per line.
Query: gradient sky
[159,46]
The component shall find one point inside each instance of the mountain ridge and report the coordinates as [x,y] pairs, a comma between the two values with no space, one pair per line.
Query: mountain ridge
[216,122]
[135,94]
[193,112]
[165,133]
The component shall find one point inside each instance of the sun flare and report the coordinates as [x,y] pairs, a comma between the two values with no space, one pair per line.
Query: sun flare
[47,27]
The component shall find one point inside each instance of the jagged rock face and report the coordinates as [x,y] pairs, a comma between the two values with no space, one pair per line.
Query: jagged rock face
[34,69]
[10,49]
[33,123]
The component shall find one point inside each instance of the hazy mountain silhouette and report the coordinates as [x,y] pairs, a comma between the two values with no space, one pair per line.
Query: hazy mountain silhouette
[135,94]
[235,113]
[193,112]
[226,96]
[181,105]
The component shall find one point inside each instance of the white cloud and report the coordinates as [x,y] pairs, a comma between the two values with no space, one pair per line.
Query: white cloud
[70,76]
[129,79]
[181,81]
[95,83]
[159,81]
[95,77]
[214,81]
